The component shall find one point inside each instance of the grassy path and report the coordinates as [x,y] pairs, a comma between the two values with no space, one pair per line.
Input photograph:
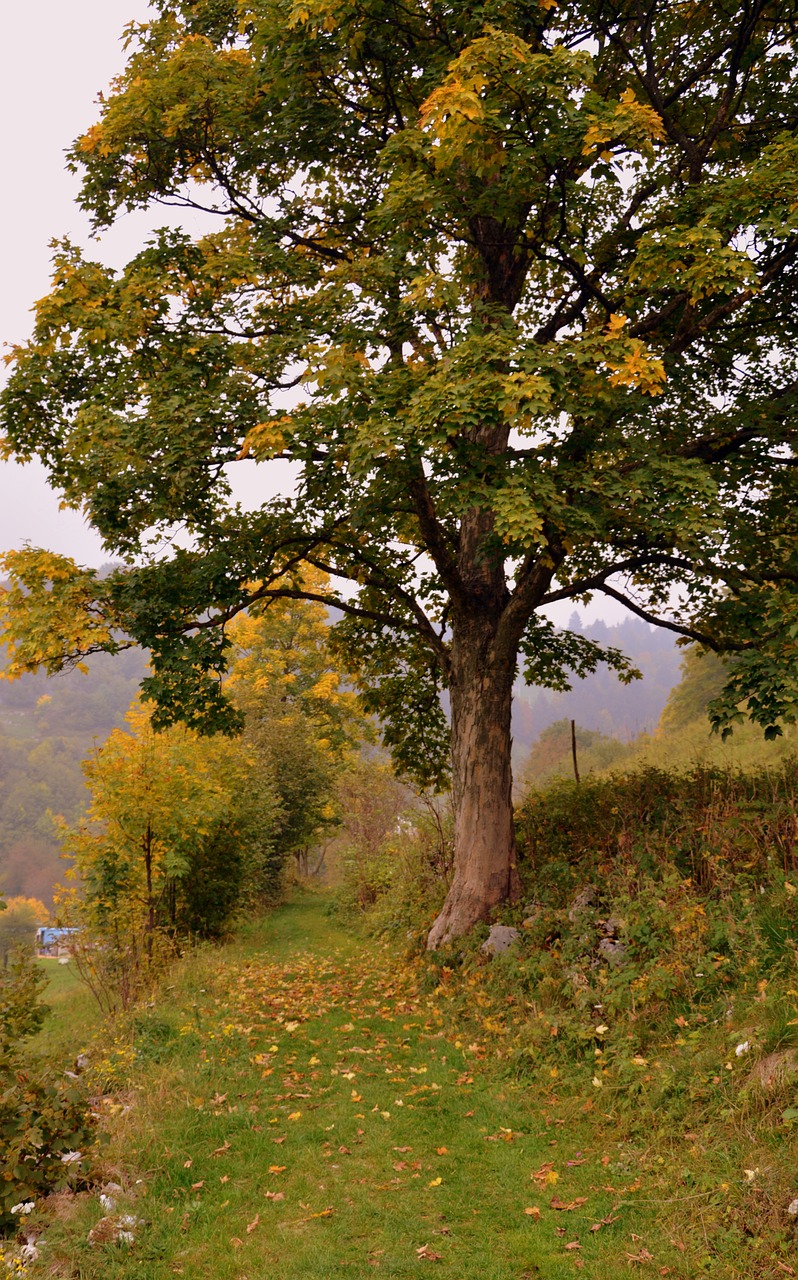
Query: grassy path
[300,1111]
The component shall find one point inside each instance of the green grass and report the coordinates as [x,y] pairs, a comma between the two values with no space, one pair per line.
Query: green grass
[305,1104]
[298,1107]
[73,1015]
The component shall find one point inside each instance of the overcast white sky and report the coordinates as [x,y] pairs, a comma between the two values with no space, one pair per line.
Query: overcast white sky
[53,62]
[51,71]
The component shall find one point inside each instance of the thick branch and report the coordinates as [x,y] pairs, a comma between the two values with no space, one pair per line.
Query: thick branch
[690,632]
[434,537]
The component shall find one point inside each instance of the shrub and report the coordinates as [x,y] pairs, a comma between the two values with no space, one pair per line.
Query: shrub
[654,900]
[399,887]
[45,1125]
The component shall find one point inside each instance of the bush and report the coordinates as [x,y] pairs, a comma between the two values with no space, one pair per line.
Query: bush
[45,1126]
[653,900]
[707,821]
[399,886]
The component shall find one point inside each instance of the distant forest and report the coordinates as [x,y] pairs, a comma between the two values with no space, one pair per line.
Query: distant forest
[600,702]
[49,726]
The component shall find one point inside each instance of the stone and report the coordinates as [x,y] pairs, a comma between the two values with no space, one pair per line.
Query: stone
[585,900]
[613,952]
[612,926]
[775,1070]
[501,938]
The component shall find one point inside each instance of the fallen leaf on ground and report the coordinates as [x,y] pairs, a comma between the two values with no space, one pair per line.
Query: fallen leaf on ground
[277,1168]
[429,1254]
[605,1222]
[197,1186]
[573,1244]
[253,1224]
[323,1213]
[570,1204]
[275,1195]
[533,1212]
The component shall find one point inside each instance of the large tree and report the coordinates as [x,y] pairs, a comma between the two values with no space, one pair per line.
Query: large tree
[511,284]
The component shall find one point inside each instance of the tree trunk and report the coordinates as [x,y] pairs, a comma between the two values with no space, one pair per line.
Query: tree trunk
[150,926]
[484,835]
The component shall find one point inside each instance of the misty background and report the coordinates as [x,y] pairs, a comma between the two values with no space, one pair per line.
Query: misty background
[50,75]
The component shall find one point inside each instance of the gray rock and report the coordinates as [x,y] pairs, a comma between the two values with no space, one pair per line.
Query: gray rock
[500,938]
[775,1070]
[579,979]
[585,900]
[612,926]
[613,952]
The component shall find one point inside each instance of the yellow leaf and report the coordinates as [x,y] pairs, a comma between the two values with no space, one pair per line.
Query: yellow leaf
[436,1182]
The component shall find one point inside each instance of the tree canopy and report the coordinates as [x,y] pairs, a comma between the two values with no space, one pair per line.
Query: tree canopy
[512,284]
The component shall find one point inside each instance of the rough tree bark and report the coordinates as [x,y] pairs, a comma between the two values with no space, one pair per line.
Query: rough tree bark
[482,670]
[484,834]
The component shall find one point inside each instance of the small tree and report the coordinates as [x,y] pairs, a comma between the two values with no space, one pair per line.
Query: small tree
[18,924]
[300,723]
[533,266]
[179,834]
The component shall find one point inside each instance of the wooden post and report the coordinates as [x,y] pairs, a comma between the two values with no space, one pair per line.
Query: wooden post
[573,749]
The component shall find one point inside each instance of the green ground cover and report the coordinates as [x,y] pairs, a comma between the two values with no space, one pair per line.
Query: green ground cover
[73,1015]
[299,1105]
